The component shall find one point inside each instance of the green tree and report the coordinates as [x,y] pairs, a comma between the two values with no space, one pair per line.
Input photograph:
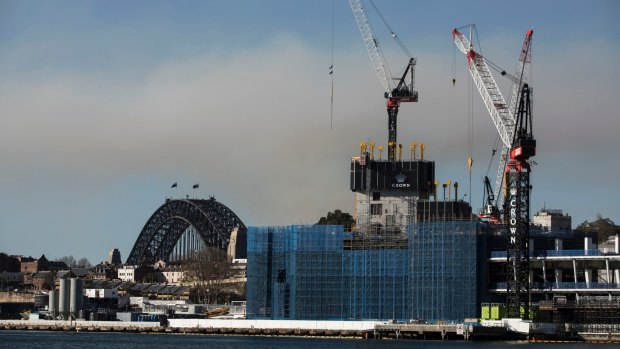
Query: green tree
[602,228]
[338,218]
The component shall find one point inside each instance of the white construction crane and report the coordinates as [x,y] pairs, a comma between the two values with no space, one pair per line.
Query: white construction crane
[404,91]
[503,115]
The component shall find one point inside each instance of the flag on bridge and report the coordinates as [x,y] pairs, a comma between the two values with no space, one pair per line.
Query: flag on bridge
[174,185]
[196,186]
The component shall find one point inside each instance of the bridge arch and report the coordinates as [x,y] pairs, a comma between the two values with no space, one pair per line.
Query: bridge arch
[212,221]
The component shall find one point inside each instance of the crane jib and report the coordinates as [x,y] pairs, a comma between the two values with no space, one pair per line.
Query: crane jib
[404,91]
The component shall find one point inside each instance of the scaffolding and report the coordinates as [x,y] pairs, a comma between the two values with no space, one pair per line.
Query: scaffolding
[376,270]
[443,271]
[324,273]
[593,314]
[295,272]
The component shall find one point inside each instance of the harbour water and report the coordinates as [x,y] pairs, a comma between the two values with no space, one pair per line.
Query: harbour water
[43,339]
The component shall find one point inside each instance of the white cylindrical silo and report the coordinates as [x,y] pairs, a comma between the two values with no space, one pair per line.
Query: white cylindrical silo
[63,298]
[53,303]
[75,297]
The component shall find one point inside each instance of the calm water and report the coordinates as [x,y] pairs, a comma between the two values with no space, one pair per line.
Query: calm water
[35,339]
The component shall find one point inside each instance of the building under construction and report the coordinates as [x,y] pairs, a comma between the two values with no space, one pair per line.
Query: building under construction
[410,255]
[417,254]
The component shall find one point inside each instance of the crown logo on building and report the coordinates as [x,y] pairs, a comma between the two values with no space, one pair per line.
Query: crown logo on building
[513,191]
[400,178]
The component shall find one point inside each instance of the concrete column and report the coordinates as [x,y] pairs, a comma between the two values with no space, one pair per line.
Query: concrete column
[544,271]
[617,276]
[558,275]
[588,275]
[607,269]
[559,244]
[617,244]
[531,276]
[587,245]
[575,270]
[531,246]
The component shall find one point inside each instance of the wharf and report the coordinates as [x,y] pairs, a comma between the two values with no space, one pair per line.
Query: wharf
[350,329]
[81,325]
[339,329]
[444,332]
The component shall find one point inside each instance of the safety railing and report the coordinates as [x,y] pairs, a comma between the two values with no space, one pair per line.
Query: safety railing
[559,253]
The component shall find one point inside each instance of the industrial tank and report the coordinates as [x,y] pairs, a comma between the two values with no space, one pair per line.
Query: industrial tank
[75,297]
[63,298]
[53,303]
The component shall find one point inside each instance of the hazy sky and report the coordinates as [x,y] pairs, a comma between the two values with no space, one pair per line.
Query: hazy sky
[105,104]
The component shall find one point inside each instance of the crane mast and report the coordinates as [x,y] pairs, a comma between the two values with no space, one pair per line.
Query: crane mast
[517,209]
[403,92]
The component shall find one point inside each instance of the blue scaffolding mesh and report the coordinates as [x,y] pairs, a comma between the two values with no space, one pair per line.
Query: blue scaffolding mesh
[295,272]
[376,282]
[321,272]
[443,270]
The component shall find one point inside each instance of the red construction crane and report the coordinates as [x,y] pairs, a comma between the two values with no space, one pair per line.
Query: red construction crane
[515,130]
[502,114]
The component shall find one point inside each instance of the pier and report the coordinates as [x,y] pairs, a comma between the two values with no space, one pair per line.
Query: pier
[444,332]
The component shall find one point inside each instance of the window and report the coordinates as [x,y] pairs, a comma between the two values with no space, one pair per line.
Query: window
[376,196]
[376,209]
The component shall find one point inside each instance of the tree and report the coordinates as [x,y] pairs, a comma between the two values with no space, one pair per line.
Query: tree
[151,278]
[68,260]
[602,228]
[71,262]
[207,270]
[83,263]
[338,218]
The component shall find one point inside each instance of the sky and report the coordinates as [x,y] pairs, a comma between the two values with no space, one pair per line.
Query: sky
[105,104]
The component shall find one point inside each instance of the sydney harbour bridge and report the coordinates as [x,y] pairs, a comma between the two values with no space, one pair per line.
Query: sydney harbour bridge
[181,227]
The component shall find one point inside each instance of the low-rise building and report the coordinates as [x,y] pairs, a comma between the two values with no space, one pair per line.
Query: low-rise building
[106,293]
[8,278]
[173,274]
[9,263]
[134,273]
[30,265]
[103,271]
[43,280]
